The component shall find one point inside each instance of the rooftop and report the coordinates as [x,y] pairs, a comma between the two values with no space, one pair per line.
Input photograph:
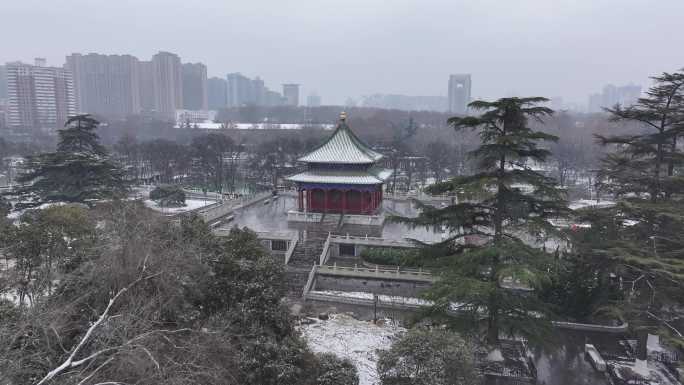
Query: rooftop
[362,177]
[343,147]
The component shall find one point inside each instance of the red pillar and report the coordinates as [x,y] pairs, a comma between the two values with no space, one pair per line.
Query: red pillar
[325,200]
[344,201]
[308,200]
[301,200]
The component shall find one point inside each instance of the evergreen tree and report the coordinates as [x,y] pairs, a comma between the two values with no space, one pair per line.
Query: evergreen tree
[508,211]
[79,171]
[642,234]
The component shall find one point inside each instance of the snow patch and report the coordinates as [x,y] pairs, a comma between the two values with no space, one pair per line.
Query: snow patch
[356,340]
[190,205]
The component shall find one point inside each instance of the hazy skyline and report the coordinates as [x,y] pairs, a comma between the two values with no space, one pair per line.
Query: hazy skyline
[359,47]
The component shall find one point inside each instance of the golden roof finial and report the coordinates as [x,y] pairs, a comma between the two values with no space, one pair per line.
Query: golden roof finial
[343,116]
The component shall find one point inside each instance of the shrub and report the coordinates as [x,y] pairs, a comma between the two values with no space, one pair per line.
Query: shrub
[168,196]
[393,256]
[428,357]
[336,371]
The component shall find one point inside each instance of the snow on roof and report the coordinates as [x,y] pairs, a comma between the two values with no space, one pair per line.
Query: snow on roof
[343,147]
[363,177]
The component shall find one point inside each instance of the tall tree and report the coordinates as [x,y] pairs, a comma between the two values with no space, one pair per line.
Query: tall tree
[642,232]
[79,171]
[508,211]
[210,151]
[645,163]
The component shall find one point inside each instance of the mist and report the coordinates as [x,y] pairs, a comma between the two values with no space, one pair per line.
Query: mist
[533,47]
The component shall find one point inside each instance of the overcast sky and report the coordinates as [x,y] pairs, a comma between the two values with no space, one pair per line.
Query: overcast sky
[350,48]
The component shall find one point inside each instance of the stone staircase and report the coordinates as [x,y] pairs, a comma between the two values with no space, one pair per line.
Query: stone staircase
[308,251]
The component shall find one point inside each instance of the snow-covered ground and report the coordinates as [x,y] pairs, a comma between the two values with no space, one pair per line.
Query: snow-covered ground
[190,204]
[356,340]
[584,203]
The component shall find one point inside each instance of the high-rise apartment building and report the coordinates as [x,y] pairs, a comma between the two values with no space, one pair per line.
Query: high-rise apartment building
[106,85]
[623,95]
[195,86]
[146,86]
[242,91]
[291,94]
[459,93]
[168,84]
[39,96]
[239,90]
[3,83]
[313,100]
[217,93]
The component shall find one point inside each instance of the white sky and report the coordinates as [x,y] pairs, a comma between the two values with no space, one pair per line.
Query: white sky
[566,48]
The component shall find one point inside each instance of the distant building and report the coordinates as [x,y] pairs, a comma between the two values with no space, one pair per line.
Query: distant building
[39,96]
[3,83]
[274,98]
[239,90]
[611,95]
[313,100]
[291,94]
[459,93]
[217,93]
[242,91]
[195,86]
[168,84]
[146,86]
[105,85]
[406,102]
[184,117]
[595,102]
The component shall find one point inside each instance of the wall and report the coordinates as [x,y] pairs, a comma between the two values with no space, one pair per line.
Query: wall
[376,286]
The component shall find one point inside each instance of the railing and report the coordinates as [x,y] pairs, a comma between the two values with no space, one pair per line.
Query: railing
[370,241]
[381,302]
[291,248]
[212,213]
[363,272]
[592,327]
[309,281]
[326,251]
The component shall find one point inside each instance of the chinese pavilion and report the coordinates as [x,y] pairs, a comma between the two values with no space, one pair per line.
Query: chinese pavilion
[341,176]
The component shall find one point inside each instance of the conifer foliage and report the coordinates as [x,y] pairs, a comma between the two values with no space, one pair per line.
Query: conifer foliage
[78,171]
[643,232]
[508,208]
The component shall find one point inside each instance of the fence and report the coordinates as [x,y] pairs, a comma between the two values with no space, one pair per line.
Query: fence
[291,248]
[326,251]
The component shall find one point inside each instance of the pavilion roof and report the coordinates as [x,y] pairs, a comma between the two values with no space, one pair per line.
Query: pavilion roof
[343,147]
[371,176]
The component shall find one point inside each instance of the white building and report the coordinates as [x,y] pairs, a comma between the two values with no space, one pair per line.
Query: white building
[194,116]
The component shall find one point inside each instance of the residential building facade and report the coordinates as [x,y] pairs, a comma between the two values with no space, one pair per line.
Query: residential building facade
[217,93]
[106,85]
[291,94]
[168,84]
[195,86]
[39,96]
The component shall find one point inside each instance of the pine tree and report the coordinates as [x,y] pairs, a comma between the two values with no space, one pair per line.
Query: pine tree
[642,233]
[509,211]
[78,171]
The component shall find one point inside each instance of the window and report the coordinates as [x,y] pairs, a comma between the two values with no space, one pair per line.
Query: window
[348,250]
[278,245]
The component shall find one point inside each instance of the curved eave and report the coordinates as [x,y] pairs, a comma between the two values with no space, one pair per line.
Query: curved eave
[371,177]
[343,147]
